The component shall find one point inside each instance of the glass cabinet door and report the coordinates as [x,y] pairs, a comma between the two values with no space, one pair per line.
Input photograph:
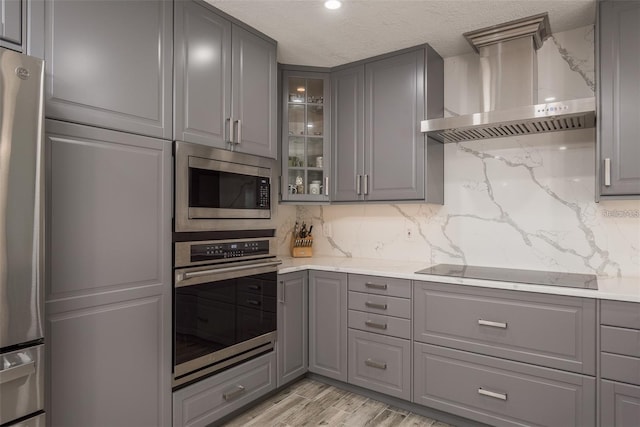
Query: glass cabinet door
[305,137]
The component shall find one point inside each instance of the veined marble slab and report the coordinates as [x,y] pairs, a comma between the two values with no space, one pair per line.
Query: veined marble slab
[614,288]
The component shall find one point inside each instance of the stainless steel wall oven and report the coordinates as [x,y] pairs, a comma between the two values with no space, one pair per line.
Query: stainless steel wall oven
[224,304]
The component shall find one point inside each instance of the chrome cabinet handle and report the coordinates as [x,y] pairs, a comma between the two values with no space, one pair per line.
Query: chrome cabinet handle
[607,172]
[500,325]
[358,185]
[227,131]
[375,286]
[283,299]
[237,125]
[17,372]
[366,184]
[253,302]
[374,364]
[234,394]
[375,305]
[501,396]
[326,185]
[372,324]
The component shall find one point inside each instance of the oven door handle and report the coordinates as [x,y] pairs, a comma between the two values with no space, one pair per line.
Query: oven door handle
[223,270]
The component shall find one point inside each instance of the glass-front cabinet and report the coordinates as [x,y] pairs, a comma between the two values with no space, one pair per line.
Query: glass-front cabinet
[305,136]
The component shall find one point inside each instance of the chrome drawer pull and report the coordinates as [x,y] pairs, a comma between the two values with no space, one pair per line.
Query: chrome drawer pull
[374,364]
[373,324]
[375,286]
[374,305]
[493,394]
[492,324]
[234,394]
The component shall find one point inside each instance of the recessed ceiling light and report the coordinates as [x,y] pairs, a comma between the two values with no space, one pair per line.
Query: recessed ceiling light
[562,147]
[333,4]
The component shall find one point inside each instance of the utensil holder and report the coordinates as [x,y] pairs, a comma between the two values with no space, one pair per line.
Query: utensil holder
[302,247]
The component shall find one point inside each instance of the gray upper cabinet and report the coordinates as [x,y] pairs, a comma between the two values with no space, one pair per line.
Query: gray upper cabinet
[619,92]
[328,324]
[305,136]
[394,146]
[108,293]
[13,24]
[225,83]
[379,151]
[109,64]
[254,94]
[202,75]
[347,118]
[293,356]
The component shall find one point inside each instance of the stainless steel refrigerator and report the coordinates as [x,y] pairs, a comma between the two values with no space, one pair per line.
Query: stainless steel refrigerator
[21,240]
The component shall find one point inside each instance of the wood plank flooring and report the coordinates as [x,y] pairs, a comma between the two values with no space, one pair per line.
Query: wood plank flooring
[312,403]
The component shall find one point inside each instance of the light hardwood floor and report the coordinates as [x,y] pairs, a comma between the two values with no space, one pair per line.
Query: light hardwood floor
[312,403]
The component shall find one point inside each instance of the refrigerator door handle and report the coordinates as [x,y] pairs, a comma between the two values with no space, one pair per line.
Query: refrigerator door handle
[16,372]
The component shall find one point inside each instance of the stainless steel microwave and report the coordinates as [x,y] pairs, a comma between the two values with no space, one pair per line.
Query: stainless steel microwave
[222,190]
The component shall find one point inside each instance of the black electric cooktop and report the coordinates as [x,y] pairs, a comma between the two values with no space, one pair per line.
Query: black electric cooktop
[532,277]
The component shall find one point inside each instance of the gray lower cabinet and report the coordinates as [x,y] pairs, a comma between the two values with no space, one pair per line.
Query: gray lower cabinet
[108,293]
[109,64]
[328,324]
[501,392]
[225,82]
[13,24]
[293,339]
[619,404]
[380,363]
[547,330]
[208,400]
[379,152]
[619,92]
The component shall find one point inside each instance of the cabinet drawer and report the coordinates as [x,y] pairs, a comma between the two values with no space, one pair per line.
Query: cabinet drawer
[204,402]
[385,325]
[620,341]
[619,404]
[620,368]
[553,331]
[380,285]
[619,313]
[500,392]
[391,306]
[380,363]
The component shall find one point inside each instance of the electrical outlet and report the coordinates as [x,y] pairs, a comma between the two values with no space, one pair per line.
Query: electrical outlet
[326,229]
[410,232]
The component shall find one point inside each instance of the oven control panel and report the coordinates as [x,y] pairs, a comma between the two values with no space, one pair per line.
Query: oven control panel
[224,250]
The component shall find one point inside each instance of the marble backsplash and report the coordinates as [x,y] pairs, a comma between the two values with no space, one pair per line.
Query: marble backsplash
[521,202]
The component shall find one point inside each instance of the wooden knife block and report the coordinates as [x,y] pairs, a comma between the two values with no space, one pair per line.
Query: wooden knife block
[302,248]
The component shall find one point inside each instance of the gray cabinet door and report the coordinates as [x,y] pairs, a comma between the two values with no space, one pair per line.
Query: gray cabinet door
[108,296]
[254,94]
[500,392]
[202,75]
[619,92]
[328,324]
[347,133]
[109,64]
[394,146]
[619,405]
[13,24]
[293,356]
[547,330]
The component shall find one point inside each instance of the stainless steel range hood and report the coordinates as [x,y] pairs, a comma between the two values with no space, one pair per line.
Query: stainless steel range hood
[508,71]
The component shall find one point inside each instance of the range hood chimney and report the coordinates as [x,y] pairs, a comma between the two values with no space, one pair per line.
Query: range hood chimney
[509,79]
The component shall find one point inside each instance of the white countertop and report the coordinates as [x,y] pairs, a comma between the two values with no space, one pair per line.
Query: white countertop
[621,289]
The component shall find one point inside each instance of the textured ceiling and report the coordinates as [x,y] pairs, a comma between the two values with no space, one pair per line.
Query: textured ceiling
[309,34]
